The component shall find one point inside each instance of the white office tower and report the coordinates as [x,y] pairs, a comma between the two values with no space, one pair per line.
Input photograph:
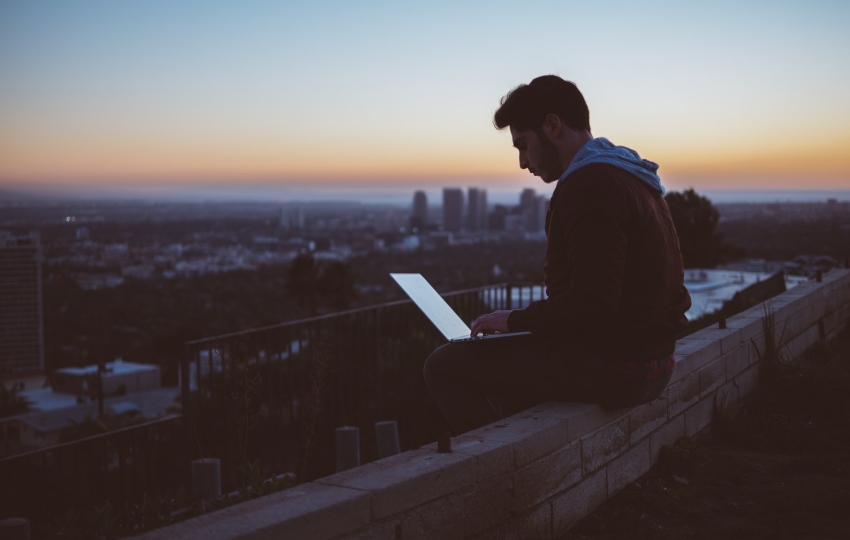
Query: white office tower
[21,316]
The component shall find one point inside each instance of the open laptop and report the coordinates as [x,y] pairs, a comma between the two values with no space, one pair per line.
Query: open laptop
[438,311]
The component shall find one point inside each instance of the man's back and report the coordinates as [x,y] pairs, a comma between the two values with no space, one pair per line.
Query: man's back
[613,269]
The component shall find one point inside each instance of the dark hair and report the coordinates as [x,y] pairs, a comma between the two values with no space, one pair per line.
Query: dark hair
[526,106]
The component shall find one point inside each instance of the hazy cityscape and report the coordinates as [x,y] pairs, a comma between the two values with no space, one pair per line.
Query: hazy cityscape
[104,296]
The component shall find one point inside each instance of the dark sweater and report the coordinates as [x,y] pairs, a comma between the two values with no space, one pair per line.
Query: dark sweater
[613,270]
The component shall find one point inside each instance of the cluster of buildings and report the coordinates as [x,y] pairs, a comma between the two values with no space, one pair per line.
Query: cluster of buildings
[469,213]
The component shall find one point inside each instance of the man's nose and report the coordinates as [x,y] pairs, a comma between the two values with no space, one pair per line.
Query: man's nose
[523,163]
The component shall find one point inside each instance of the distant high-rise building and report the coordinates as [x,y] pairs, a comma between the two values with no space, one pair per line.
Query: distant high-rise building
[452,209]
[21,315]
[291,219]
[476,214]
[497,217]
[528,209]
[419,216]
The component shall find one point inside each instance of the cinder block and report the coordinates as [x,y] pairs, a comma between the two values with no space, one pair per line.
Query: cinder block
[831,321]
[729,338]
[667,434]
[305,511]
[438,519]
[492,458]
[682,394]
[681,369]
[698,351]
[389,529]
[645,419]
[547,476]
[757,349]
[747,381]
[799,322]
[487,504]
[581,500]
[712,376]
[403,481]
[582,418]
[536,524]
[800,344]
[699,417]
[782,307]
[748,326]
[442,518]
[628,467]
[737,361]
[530,434]
[603,445]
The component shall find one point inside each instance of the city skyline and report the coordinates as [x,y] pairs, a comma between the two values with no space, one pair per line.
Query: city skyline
[168,98]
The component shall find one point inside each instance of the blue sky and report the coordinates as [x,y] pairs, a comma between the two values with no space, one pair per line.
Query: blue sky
[392,95]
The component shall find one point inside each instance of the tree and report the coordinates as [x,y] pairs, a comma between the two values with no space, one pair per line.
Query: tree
[11,403]
[696,219]
[336,285]
[302,281]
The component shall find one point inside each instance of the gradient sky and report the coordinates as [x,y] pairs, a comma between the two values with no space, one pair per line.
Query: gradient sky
[357,95]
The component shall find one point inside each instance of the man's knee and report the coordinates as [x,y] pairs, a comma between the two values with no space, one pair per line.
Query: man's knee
[439,362]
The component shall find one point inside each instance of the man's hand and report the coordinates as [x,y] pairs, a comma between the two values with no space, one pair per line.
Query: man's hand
[491,322]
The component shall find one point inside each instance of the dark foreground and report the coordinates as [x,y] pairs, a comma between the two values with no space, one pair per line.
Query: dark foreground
[778,469]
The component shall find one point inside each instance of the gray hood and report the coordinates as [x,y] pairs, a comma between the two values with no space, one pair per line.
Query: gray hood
[601,150]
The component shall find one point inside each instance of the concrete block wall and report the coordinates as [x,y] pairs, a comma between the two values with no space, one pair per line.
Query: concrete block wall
[535,474]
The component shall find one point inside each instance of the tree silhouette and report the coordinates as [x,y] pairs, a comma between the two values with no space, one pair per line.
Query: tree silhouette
[336,285]
[11,403]
[302,282]
[696,222]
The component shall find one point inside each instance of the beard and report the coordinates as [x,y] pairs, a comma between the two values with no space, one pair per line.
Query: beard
[550,163]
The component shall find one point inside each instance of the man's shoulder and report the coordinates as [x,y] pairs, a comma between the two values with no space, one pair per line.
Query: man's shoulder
[594,178]
[596,172]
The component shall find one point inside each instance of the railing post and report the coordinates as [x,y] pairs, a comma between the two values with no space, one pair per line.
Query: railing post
[15,529]
[509,299]
[206,479]
[347,448]
[386,434]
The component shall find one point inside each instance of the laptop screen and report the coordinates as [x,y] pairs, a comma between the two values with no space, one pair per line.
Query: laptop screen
[432,305]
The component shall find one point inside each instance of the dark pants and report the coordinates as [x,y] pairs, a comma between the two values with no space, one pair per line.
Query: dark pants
[479,382]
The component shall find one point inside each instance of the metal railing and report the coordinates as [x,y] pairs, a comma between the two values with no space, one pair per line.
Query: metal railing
[277,394]
[119,466]
[273,394]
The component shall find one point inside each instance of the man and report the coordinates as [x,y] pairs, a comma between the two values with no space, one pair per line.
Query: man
[616,299]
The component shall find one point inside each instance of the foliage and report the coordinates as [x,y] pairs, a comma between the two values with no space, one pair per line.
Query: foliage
[255,484]
[317,389]
[796,399]
[301,282]
[11,403]
[777,239]
[696,221]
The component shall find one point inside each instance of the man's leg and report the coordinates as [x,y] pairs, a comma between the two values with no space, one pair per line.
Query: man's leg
[461,376]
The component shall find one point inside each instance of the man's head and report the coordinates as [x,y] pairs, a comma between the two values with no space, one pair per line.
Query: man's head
[549,121]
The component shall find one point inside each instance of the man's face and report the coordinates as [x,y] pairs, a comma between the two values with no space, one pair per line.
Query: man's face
[537,154]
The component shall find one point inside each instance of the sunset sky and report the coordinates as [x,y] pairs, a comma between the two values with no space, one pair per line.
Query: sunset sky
[344,96]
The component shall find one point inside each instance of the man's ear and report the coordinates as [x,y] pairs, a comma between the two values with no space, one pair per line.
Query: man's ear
[552,125]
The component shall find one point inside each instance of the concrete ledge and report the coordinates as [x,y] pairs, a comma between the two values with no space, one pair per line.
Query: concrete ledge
[535,474]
